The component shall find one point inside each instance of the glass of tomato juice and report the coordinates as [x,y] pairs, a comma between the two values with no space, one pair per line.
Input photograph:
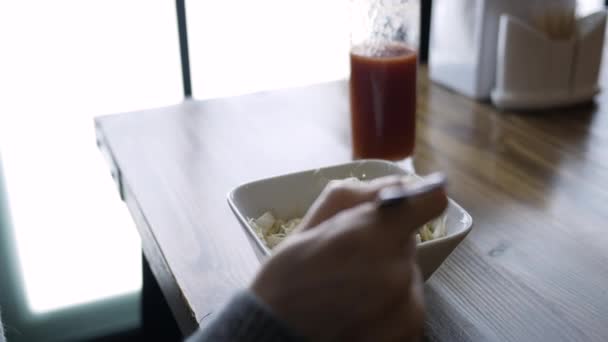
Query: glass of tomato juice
[383,72]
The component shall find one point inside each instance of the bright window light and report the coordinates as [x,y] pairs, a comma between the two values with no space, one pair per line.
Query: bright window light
[62,63]
[244,46]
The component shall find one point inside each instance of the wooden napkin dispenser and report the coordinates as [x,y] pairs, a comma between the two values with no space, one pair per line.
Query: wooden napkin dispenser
[536,72]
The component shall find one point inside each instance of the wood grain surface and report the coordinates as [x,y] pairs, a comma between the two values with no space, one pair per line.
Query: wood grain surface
[534,268]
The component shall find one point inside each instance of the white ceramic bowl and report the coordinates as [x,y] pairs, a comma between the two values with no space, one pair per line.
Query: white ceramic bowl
[291,195]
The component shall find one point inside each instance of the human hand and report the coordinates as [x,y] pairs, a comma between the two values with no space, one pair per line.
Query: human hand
[349,271]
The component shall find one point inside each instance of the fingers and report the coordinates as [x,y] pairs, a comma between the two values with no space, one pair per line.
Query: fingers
[392,195]
[392,226]
[415,211]
[341,195]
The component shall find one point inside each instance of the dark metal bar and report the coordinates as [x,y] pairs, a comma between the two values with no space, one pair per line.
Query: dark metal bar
[183,46]
[425,29]
[158,322]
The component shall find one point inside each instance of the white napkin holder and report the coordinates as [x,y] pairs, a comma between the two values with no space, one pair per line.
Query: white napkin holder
[534,71]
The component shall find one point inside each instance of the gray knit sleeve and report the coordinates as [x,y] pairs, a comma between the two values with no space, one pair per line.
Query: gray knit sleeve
[1,331]
[245,318]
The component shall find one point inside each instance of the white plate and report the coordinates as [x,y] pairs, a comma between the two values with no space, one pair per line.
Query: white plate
[291,195]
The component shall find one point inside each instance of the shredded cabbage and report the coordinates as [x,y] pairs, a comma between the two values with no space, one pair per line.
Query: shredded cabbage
[272,231]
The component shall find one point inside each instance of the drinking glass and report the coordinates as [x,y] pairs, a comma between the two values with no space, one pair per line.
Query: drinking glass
[383,71]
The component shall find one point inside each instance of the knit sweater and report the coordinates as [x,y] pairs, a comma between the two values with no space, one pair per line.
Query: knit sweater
[1,331]
[245,318]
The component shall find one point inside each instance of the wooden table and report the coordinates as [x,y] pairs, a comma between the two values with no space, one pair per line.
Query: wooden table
[534,268]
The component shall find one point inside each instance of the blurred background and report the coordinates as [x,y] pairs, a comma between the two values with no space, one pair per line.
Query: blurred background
[70,260]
